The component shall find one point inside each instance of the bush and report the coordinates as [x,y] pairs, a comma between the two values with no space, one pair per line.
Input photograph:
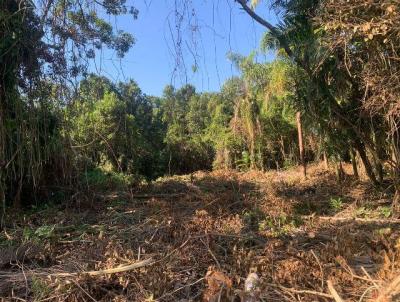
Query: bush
[99,179]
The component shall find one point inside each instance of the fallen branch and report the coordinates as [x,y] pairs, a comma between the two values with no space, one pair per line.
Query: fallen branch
[109,271]
[302,291]
[17,276]
[144,196]
[352,219]
[333,292]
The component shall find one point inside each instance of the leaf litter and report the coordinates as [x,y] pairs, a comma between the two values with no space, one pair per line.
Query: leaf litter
[204,237]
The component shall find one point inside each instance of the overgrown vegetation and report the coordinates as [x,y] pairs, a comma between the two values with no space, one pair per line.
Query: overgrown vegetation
[68,136]
[52,133]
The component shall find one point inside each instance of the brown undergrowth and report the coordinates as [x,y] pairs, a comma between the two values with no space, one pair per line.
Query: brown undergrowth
[198,238]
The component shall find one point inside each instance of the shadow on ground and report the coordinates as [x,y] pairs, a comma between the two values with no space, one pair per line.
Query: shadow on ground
[222,223]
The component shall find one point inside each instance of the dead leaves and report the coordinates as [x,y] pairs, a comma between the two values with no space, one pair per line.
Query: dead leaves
[219,287]
[203,248]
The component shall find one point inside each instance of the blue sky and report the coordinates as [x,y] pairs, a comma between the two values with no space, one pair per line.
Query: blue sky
[220,26]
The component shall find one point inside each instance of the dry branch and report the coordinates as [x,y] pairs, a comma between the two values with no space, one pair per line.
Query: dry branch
[165,195]
[13,277]
[114,270]
[333,292]
[352,219]
[302,291]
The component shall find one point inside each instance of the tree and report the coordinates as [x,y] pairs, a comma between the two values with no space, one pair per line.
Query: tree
[116,125]
[299,38]
[44,46]
[366,39]
[301,144]
[185,114]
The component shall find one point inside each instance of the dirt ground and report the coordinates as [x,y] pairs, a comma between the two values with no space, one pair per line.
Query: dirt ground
[199,238]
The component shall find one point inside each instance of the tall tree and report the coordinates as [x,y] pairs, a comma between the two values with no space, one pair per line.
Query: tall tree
[44,46]
[298,37]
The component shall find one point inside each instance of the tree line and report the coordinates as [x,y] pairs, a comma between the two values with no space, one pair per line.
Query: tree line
[334,84]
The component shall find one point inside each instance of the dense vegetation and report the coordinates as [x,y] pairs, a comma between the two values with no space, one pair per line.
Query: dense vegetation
[336,70]
[284,185]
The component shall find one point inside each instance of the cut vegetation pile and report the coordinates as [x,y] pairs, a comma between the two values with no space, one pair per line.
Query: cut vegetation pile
[199,237]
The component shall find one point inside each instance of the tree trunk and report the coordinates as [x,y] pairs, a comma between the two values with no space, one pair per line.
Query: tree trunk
[169,163]
[17,197]
[261,159]
[3,159]
[326,163]
[339,172]
[367,164]
[379,139]
[396,168]
[354,163]
[252,156]
[282,141]
[379,170]
[301,145]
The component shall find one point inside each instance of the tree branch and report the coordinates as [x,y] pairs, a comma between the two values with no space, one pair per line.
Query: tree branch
[283,43]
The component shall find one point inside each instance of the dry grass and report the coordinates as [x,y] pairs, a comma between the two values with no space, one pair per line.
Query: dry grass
[203,238]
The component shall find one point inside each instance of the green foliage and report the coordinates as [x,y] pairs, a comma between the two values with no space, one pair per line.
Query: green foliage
[386,212]
[186,115]
[336,204]
[117,126]
[279,226]
[42,48]
[39,289]
[41,233]
[338,87]
[244,162]
[363,211]
[252,218]
[111,135]
[248,125]
[99,179]
[263,119]
[306,208]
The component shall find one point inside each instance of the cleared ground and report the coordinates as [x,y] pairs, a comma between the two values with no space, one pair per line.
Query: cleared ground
[198,237]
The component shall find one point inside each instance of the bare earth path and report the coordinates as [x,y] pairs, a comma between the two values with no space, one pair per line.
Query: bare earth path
[183,239]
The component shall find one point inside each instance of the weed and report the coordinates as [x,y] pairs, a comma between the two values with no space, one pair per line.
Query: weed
[100,179]
[243,163]
[306,208]
[39,289]
[43,232]
[288,163]
[336,204]
[363,212]
[385,211]
[252,218]
[7,242]
[118,202]
[278,226]
[383,231]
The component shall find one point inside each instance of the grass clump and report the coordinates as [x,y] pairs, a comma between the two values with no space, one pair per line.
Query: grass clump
[39,289]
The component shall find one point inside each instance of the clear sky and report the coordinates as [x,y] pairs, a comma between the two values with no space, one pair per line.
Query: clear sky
[215,28]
